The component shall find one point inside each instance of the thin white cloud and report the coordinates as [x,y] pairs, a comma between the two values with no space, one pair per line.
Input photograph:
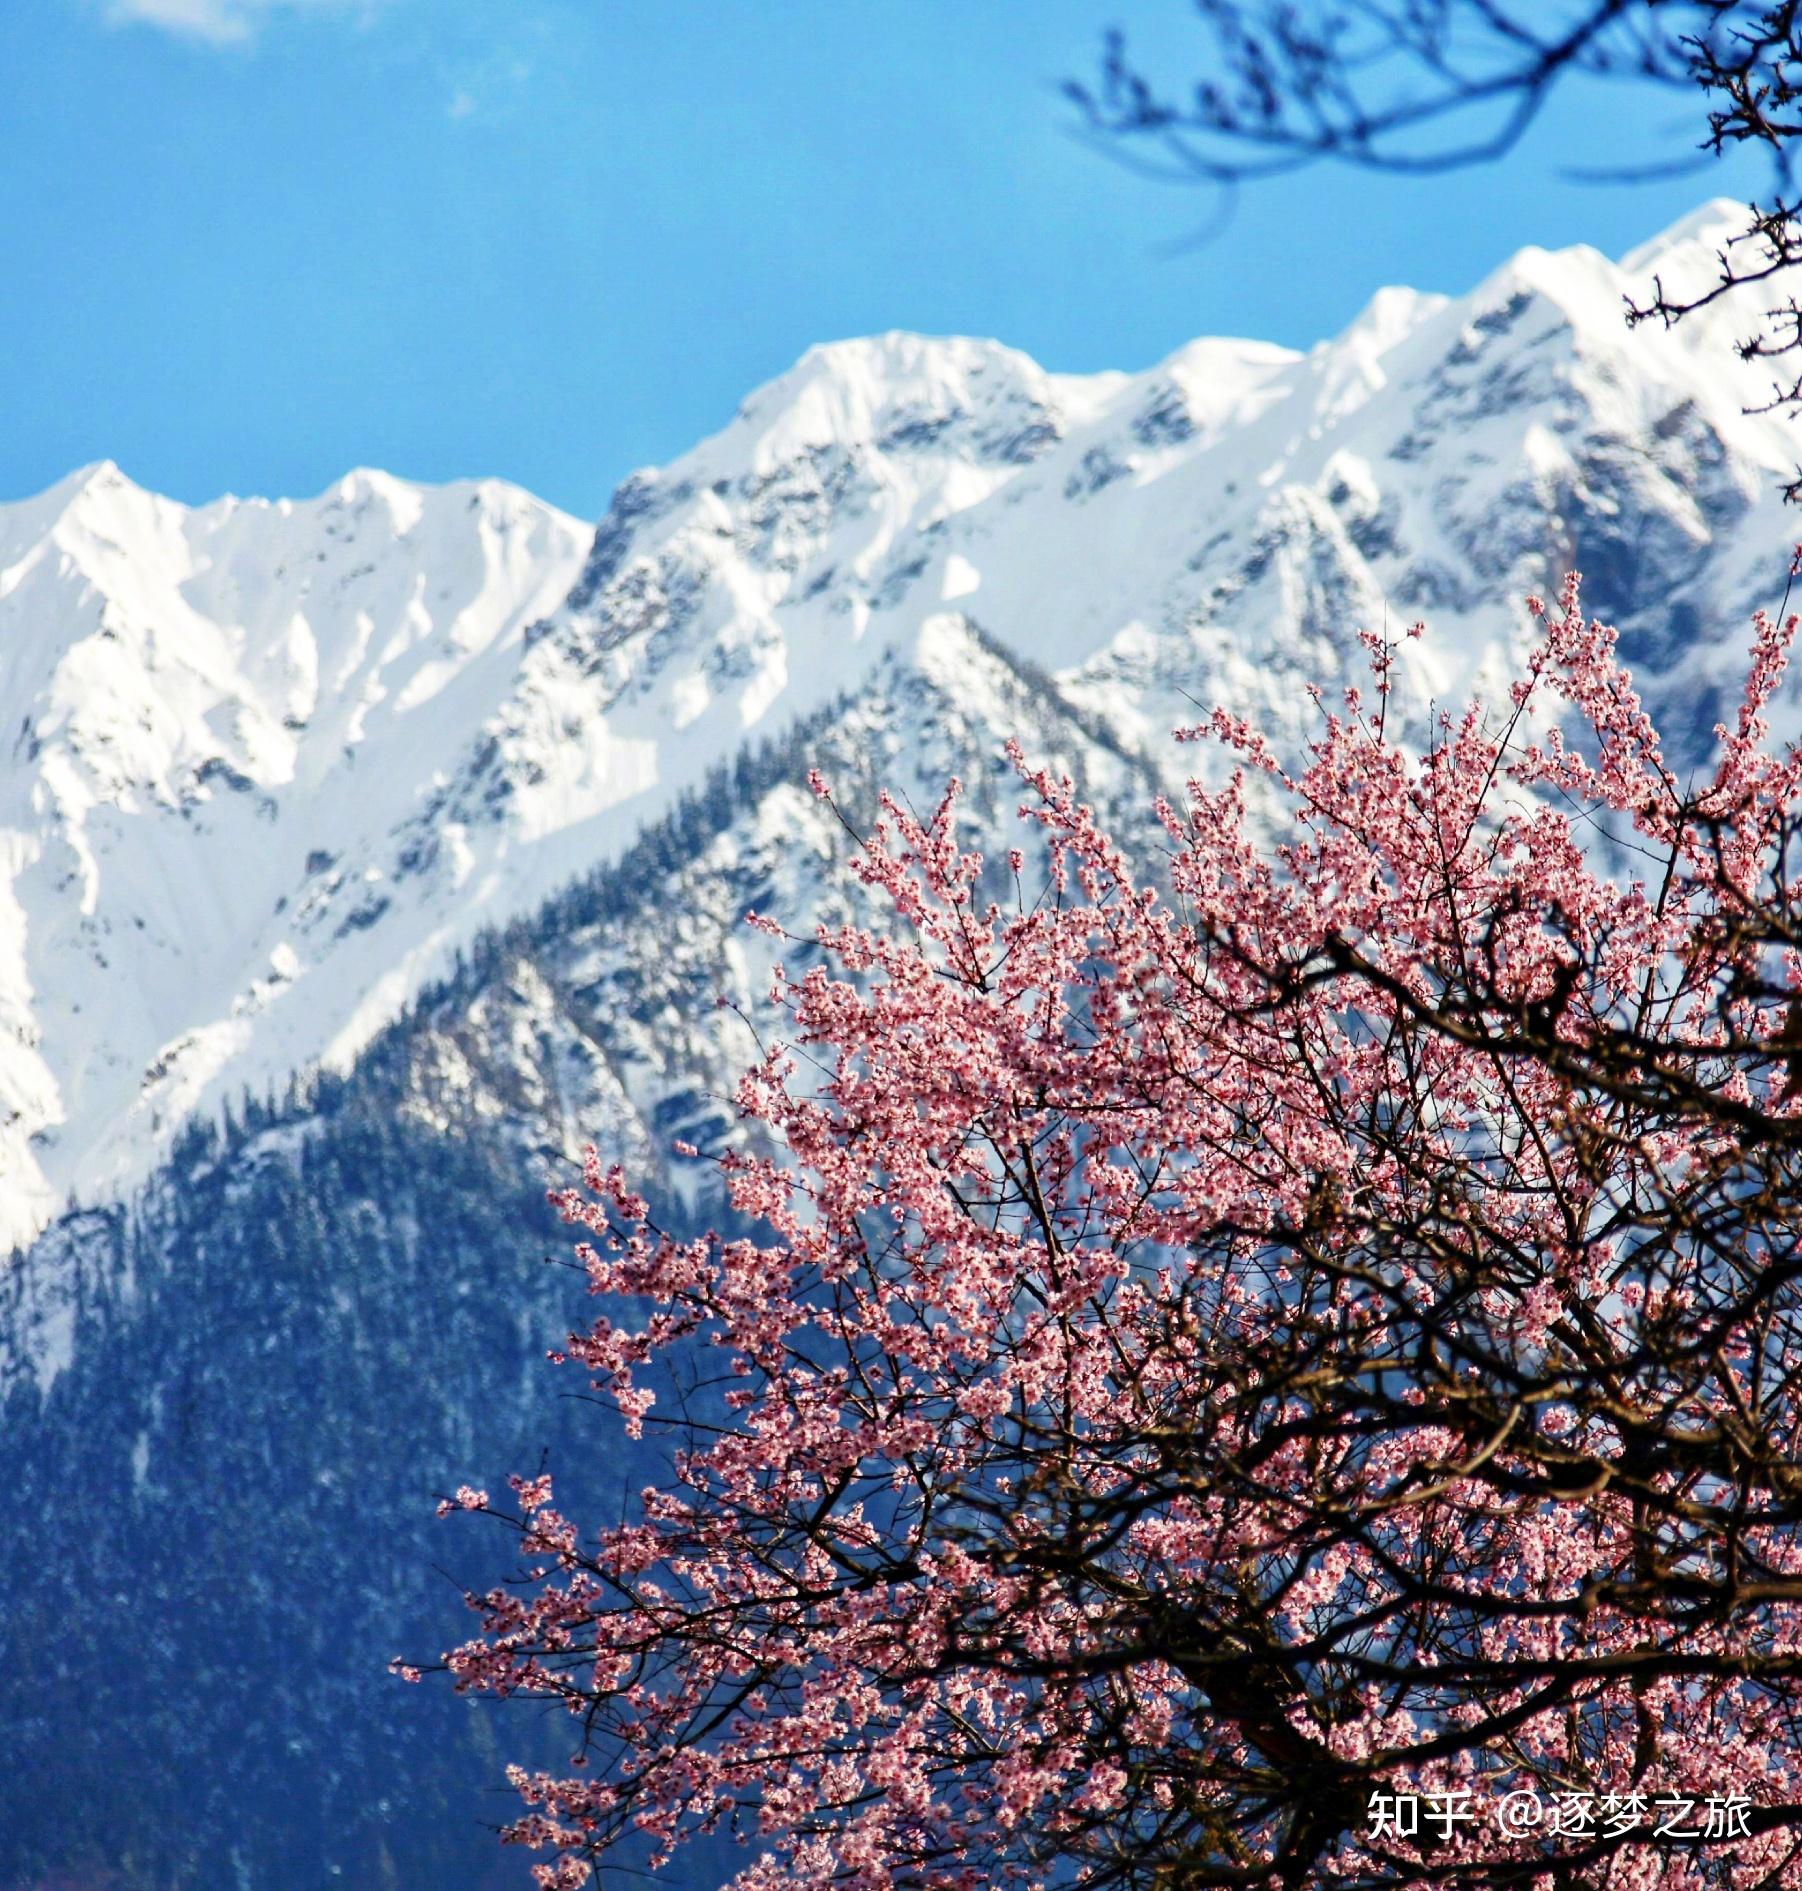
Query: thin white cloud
[222,21]
[483,83]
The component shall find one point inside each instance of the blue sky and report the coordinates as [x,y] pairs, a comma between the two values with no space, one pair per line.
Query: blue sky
[252,243]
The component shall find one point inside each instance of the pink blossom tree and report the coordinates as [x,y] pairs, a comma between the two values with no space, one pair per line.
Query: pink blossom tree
[1284,1376]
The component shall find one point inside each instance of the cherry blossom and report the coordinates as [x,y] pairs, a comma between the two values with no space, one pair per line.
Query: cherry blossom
[1233,1345]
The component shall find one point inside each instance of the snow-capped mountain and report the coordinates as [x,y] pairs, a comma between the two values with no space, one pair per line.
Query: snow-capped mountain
[263,766]
[212,720]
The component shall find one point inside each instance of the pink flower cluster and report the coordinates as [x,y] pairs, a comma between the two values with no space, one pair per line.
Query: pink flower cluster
[1317,1325]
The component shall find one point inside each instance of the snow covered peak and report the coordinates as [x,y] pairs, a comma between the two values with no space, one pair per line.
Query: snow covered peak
[1390,315]
[953,397]
[1703,232]
[92,514]
[101,476]
[263,764]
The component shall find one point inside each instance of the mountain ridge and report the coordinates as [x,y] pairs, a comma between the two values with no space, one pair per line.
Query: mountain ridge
[271,762]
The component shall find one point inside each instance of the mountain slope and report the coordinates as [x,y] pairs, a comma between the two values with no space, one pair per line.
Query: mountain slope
[240,1396]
